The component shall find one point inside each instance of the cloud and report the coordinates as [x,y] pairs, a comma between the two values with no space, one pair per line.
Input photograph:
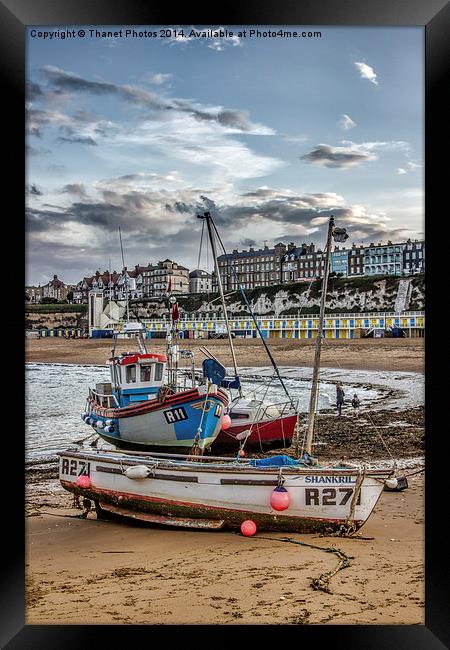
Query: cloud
[78,140]
[351,154]
[367,72]
[33,91]
[77,189]
[215,38]
[337,157]
[158,78]
[33,190]
[227,117]
[411,167]
[159,223]
[346,123]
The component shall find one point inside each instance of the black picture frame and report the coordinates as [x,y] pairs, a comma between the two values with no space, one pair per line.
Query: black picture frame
[434,16]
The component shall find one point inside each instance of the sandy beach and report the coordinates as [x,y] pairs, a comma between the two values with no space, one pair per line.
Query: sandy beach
[370,354]
[89,571]
[99,572]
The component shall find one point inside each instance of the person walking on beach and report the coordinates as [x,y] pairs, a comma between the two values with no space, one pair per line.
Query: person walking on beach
[339,397]
[356,404]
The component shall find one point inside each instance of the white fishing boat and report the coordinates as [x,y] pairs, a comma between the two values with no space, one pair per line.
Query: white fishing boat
[214,492]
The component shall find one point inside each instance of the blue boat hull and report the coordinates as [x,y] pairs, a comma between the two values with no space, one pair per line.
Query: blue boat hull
[177,422]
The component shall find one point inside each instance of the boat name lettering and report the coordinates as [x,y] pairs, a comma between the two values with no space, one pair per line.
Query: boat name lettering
[329,496]
[329,479]
[175,415]
[75,467]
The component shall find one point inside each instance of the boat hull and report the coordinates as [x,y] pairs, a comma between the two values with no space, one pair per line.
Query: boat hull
[173,423]
[321,500]
[276,432]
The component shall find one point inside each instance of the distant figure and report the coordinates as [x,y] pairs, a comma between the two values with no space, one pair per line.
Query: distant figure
[356,404]
[339,397]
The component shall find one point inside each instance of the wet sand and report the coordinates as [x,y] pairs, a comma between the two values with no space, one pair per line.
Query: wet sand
[88,571]
[367,354]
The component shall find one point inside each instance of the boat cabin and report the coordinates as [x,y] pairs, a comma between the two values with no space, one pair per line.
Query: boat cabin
[136,377]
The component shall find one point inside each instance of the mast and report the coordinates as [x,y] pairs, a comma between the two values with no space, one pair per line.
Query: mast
[207,217]
[126,277]
[315,379]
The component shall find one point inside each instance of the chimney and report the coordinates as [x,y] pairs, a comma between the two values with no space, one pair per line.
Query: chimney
[291,246]
[235,250]
[251,250]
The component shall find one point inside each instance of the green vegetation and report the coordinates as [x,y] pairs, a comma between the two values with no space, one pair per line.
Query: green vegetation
[62,308]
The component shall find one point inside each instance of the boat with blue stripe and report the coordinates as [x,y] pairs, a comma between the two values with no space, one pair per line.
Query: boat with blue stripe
[138,410]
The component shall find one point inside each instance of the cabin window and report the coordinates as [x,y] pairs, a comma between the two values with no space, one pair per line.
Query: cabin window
[146,373]
[131,374]
[159,371]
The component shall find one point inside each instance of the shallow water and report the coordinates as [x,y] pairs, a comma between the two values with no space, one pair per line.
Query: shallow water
[56,394]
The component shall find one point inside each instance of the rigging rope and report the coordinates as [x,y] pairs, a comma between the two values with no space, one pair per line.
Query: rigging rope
[254,319]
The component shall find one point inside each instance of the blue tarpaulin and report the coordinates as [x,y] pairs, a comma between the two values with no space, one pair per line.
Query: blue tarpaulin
[275,461]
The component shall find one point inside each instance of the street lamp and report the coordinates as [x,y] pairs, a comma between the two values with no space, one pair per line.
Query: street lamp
[339,235]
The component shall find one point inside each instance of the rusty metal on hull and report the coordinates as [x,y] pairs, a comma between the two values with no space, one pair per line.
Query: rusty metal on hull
[231,518]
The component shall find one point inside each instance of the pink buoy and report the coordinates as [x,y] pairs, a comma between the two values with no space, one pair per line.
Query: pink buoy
[226,422]
[241,453]
[280,499]
[83,481]
[248,528]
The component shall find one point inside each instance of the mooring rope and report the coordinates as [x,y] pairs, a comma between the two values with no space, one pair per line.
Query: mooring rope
[322,582]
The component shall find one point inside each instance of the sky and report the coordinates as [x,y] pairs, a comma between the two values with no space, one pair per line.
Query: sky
[272,134]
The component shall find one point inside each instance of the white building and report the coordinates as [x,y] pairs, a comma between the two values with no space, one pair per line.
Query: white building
[200,281]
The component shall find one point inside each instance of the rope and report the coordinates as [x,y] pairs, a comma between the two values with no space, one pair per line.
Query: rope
[196,450]
[349,526]
[201,241]
[419,471]
[322,582]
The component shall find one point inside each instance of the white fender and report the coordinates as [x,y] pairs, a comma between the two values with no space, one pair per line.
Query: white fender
[137,471]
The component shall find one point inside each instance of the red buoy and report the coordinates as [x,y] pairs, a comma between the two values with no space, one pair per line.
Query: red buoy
[280,499]
[226,422]
[248,528]
[83,481]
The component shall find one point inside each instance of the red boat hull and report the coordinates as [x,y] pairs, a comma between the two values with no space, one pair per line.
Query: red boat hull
[276,432]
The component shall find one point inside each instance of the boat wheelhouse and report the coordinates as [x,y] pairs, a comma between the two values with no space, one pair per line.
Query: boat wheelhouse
[136,377]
